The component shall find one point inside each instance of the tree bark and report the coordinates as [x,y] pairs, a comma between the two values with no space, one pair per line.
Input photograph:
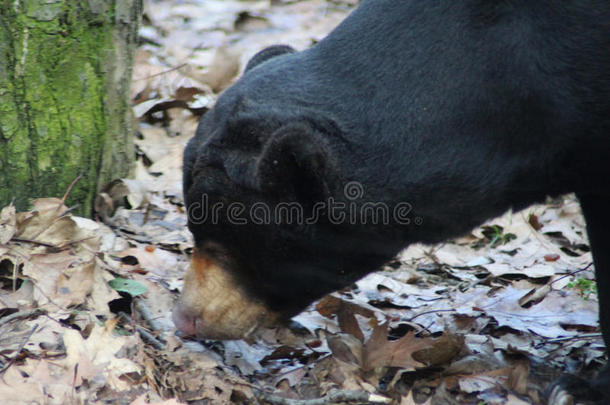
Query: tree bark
[65,72]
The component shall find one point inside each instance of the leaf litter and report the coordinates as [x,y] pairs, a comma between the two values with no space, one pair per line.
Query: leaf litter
[491,317]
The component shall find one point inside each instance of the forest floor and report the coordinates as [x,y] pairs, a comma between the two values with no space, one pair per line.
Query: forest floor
[489,318]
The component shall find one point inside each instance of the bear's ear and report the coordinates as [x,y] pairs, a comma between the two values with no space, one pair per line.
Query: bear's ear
[297,163]
[268,53]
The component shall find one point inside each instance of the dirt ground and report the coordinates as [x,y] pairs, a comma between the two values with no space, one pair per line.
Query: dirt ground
[489,318]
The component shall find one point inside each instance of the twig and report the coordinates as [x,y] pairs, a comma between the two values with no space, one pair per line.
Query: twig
[280,375]
[148,315]
[570,274]
[63,199]
[429,312]
[35,242]
[32,313]
[74,242]
[583,336]
[52,246]
[21,346]
[333,397]
[146,335]
[161,73]
[18,264]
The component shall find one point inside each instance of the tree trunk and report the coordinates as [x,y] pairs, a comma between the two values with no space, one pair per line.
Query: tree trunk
[65,70]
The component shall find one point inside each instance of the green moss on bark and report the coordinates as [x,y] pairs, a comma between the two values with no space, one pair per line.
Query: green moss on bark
[54,98]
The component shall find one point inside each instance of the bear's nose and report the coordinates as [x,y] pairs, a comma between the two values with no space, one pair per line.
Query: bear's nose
[184,320]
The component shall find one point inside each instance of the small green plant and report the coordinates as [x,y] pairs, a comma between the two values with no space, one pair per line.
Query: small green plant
[496,235]
[585,287]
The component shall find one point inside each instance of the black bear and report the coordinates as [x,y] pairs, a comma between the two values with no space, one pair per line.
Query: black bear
[442,113]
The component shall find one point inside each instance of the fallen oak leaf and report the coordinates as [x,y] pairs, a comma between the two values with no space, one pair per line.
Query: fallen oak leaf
[378,351]
[330,305]
[345,311]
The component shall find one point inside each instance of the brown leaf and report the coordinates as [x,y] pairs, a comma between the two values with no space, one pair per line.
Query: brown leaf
[345,311]
[188,93]
[551,257]
[518,377]
[283,352]
[346,348]
[380,352]
[441,351]
[534,222]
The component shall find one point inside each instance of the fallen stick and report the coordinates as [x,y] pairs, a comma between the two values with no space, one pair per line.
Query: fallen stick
[334,397]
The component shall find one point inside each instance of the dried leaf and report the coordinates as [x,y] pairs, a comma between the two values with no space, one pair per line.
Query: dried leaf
[380,352]
[441,350]
[98,355]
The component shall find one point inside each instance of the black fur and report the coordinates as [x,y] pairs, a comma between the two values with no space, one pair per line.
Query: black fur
[462,109]
[268,53]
